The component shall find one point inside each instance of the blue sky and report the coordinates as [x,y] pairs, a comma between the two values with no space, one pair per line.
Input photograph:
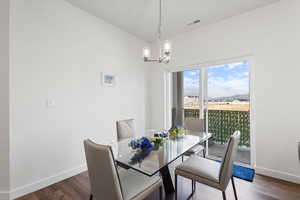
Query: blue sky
[223,80]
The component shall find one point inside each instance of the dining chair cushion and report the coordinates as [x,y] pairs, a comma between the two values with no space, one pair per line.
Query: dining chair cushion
[201,170]
[125,129]
[136,186]
[196,149]
[210,172]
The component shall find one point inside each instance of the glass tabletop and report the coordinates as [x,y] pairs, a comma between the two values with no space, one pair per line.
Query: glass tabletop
[150,162]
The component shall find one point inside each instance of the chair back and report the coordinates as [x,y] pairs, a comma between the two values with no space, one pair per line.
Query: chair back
[196,125]
[228,159]
[125,129]
[103,175]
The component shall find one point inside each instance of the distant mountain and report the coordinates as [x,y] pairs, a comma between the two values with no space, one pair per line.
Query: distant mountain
[240,97]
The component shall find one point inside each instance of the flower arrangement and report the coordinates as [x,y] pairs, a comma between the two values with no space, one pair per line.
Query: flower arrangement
[157,140]
[159,137]
[142,144]
[162,135]
[145,143]
[176,132]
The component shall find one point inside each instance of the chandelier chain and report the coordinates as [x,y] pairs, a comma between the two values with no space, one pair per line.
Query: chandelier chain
[160,20]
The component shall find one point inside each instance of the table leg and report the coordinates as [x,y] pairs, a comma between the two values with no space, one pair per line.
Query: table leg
[167,180]
[122,165]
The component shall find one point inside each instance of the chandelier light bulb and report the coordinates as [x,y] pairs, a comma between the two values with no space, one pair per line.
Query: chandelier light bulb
[146,53]
[167,46]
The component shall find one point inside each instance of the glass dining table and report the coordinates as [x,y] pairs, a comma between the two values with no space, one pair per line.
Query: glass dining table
[157,160]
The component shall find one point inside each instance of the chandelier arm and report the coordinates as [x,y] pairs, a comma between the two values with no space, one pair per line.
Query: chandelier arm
[163,58]
[151,60]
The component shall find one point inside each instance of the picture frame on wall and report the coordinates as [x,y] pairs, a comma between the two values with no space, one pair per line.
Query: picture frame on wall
[108,80]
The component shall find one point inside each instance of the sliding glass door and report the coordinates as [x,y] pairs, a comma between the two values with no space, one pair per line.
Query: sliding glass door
[229,108]
[216,99]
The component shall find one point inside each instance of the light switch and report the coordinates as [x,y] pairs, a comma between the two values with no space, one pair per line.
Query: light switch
[50,103]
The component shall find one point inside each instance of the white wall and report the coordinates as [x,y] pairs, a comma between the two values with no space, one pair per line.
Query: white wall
[4,99]
[58,52]
[271,35]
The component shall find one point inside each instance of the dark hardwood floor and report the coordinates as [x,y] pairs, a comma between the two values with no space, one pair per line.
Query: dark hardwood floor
[77,188]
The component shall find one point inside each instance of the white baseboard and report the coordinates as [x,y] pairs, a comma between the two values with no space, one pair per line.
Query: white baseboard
[4,195]
[278,174]
[21,191]
[26,189]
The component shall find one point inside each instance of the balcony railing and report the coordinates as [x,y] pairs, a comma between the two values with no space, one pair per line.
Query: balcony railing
[222,123]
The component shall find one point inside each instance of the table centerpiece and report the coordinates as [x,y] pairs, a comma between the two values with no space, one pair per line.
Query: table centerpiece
[176,132]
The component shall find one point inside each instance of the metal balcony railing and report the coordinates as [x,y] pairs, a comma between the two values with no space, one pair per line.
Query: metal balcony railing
[222,124]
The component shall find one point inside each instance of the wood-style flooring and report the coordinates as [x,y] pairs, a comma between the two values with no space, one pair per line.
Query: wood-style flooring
[78,187]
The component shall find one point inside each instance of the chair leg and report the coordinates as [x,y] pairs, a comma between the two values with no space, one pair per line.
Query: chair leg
[91,197]
[224,195]
[194,185]
[175,186]
[234,189]
[204,153]
[160,193]
[182,159]
[193,189]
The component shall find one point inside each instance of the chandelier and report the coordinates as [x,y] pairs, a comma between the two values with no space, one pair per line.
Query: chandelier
[164,47]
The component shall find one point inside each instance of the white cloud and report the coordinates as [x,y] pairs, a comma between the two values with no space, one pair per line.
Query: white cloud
[233,65]
[219,87]
[235,82]
[191,86]
[193,73]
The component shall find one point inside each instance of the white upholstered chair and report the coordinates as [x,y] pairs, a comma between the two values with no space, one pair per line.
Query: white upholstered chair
[109,183]
[209,172]
[125,129]
[194,127]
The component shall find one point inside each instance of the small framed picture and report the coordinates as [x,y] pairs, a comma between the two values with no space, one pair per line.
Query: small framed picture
[108,80]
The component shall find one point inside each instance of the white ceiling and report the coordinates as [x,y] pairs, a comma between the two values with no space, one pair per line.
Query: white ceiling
[140,17]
